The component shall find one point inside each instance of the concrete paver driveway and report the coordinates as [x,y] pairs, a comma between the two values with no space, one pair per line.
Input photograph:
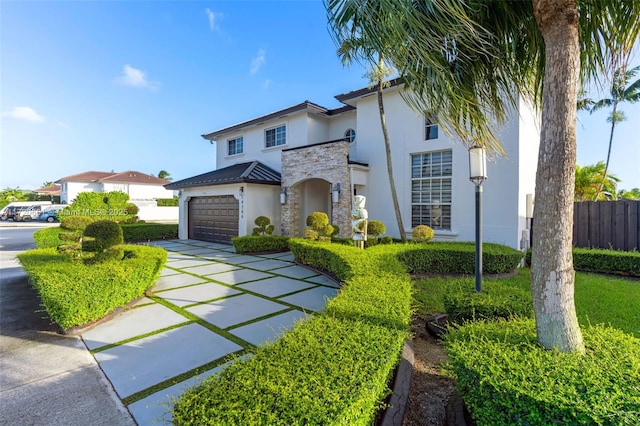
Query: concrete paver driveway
[209,303]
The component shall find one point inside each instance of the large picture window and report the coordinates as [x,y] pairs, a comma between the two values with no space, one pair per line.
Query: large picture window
[235,146]
[430,128]
[431,189]
[276,136]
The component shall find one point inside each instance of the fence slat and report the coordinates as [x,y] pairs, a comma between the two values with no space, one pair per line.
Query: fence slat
[607,224]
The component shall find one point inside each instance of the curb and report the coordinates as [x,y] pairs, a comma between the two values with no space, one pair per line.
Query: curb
[394,415]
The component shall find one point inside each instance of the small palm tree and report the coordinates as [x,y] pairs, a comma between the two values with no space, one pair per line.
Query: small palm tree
[620,93]
[163,174]
[632,194]
[592,183]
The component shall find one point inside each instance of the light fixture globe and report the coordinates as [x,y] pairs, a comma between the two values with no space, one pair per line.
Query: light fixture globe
[477,164]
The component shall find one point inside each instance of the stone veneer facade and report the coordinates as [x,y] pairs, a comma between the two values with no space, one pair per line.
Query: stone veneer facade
[328,161]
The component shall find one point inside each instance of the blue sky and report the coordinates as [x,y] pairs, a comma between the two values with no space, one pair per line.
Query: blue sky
[131,85]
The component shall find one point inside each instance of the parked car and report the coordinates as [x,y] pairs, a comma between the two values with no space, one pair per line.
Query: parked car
[27,214]
[50,214]
[9,212]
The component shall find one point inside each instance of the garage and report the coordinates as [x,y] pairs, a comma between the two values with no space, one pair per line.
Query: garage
[214,218]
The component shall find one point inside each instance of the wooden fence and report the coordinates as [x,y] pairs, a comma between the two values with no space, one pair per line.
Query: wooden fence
[607,224]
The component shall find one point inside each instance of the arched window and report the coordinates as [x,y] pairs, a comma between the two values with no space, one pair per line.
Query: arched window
[350,135]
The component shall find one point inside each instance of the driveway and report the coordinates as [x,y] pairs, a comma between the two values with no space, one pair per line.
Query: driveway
[210,304]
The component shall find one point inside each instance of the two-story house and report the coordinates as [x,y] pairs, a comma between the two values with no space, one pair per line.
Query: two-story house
[290,163]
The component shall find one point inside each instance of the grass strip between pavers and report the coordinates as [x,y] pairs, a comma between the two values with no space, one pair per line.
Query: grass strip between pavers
[183,376]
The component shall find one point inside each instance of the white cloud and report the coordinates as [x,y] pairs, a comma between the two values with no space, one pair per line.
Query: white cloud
[258,61]
[213,16]
[24,113]
[136,78]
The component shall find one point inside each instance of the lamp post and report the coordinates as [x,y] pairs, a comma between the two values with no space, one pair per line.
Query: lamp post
[477,175]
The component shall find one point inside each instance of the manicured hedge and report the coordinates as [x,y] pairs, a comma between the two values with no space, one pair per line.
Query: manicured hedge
[497,300]
[625,263]
[333,368]
[75,294]
[149,231]
[134,232]
[506,378]
[260,244]
[457,258]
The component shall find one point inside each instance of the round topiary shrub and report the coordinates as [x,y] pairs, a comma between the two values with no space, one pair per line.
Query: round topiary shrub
[317,220]
[264,226]
[75,223]
[422,234]
[376,228]
[386,240]
[131,209]
[105,234]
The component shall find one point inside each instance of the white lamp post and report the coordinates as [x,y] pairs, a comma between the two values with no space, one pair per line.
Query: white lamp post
[477,175]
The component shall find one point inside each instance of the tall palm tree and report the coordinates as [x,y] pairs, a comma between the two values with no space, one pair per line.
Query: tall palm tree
[619,93]
[593,184]
[470,61]
[355,48]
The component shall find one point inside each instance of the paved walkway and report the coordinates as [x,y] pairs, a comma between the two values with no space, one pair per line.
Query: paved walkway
[210,303]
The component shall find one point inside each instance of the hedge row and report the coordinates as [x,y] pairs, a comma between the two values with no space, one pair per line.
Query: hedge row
[260,244]
[332,368]
[50,237]
[75,294]
[457,258]
[506,378]
[626,263]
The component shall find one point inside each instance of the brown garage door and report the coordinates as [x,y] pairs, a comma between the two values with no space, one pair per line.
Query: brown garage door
[213,219]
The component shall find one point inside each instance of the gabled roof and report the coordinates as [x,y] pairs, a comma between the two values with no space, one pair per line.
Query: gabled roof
[250,172]
[48,190]
[307,106]
[345,98]
[130,176]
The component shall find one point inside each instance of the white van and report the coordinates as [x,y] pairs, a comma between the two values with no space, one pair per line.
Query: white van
[10,209]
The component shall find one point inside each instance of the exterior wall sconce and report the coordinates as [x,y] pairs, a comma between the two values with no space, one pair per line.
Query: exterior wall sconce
[283,195]
[241,190]
[335,193]
[477,175]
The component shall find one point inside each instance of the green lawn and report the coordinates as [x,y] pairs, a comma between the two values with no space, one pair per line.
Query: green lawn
[599,299]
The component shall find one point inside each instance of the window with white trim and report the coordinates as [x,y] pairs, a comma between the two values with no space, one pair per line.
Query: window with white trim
[431,174]
[235,146]
[276,136]
[430,128]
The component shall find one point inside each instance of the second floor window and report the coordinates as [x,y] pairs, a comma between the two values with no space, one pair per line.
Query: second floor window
[235,146]
[430,128]
[276,136]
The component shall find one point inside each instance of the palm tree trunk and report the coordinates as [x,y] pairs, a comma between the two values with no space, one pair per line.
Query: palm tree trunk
[606,166]
[552,271]
[387,145]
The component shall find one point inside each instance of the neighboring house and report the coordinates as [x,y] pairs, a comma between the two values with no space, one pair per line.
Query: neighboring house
[48,191]
[290,163]
[138,186]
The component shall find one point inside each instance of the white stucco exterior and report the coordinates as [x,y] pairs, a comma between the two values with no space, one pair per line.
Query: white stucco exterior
[510,177]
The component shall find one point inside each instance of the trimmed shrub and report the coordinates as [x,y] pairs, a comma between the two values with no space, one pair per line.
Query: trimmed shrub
[375,228]
[105,234]
[98,206]
[422,234]
[625,263]
[75,223]
[263,227]
[168,202]
[457,258]
[506,378]
[462,304]
[319,222]
[75,294]
[131,209]
[386,240]
[260,244]
[47,237]
[149,231]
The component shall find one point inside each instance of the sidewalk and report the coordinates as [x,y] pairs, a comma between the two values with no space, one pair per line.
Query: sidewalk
[210,303]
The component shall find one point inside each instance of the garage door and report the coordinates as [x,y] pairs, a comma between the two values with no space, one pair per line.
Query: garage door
[213,219]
